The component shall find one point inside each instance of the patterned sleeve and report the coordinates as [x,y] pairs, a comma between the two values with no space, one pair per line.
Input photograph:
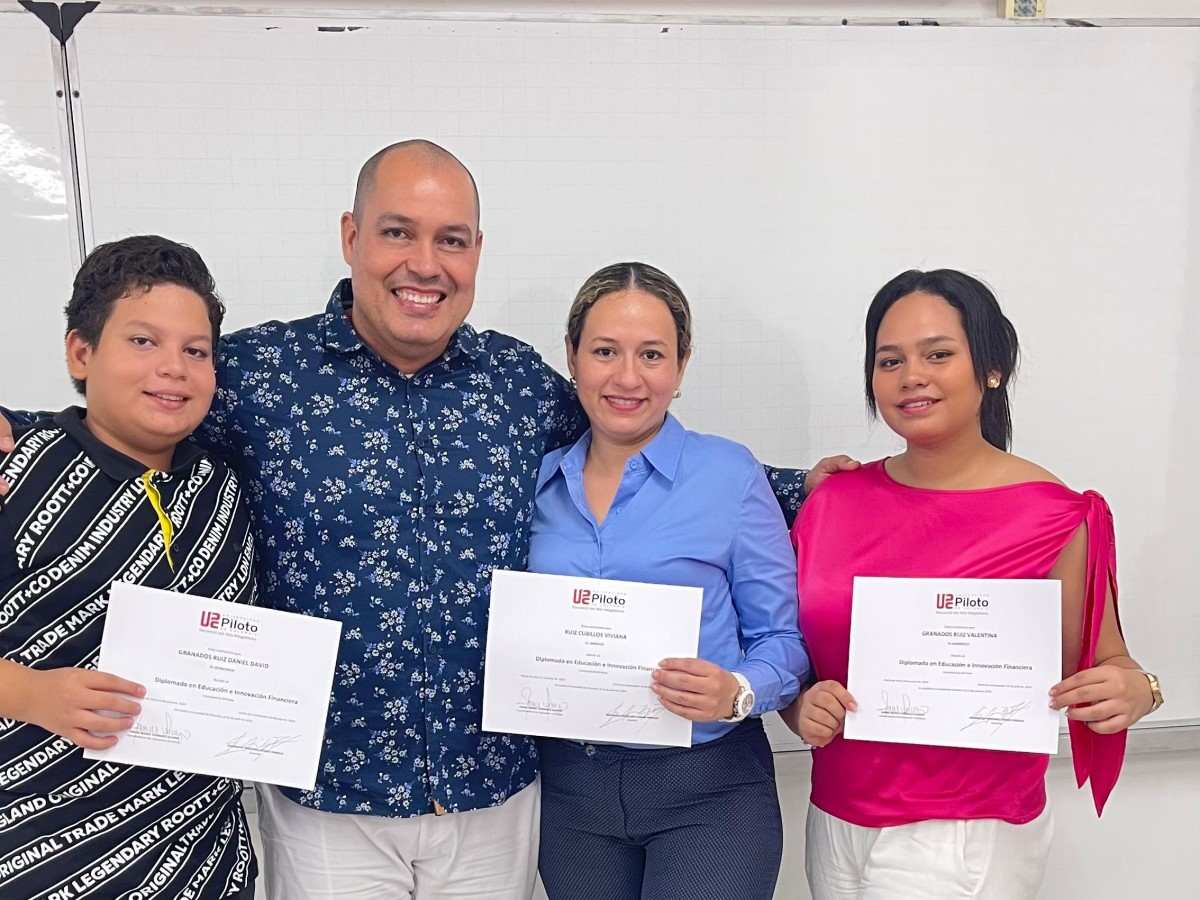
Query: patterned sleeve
[564,417]
[788,485]
[214,432]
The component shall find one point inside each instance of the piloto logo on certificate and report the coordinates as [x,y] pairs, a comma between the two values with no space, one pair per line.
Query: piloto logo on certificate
[220,622]
[588,597]
[957,601]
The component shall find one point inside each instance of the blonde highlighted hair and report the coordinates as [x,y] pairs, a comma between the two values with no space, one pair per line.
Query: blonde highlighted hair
[625,276]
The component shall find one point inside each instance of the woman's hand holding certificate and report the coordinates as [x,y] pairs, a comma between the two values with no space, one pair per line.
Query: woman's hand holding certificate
[819,713]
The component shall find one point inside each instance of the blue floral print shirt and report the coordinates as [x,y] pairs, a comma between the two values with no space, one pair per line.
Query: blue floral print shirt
[385,502]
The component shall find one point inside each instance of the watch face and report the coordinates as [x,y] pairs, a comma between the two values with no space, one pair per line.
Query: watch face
[745,703]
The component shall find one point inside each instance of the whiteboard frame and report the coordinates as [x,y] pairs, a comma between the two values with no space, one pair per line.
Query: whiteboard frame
[556,16]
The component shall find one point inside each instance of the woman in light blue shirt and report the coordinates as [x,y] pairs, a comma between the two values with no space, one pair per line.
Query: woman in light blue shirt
[641,498]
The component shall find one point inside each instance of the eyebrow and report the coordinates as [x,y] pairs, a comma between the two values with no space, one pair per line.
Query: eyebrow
[399,219]
[149,326]
[613,340]
[924,342]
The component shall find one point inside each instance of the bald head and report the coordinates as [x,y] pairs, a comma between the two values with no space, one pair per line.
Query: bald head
[417,150]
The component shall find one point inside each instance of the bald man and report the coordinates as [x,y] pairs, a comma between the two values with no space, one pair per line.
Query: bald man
[390,453]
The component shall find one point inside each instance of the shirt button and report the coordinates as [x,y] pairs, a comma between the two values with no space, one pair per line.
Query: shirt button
[589,749]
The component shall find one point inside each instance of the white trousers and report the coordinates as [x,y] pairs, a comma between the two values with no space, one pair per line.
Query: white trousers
[941,859]
[313,855]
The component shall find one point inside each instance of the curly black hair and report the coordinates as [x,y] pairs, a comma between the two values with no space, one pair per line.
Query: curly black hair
[136,263]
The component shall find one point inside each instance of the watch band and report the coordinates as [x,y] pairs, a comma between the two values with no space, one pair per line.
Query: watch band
[1155,691]
[739,699]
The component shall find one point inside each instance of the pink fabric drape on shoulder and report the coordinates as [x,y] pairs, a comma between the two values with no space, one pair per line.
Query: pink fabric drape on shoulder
[865,523]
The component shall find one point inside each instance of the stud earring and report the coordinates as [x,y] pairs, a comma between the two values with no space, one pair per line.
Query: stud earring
[678,393]
[993,382]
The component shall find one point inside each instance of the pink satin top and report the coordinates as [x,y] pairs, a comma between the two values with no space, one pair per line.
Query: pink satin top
[865,523]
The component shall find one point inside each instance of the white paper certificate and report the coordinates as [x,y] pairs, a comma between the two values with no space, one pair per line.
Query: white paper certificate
[231,690]
[571,657]
[955,662]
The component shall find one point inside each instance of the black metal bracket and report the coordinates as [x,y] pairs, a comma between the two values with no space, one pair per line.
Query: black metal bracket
[61,19]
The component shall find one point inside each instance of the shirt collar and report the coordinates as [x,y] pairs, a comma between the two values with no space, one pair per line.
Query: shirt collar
[338,334]
[336,331]
[662,453]
[465,342]
[666,447]
[114,463]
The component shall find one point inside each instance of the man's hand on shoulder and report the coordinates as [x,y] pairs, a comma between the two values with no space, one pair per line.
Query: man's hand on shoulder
[830,465]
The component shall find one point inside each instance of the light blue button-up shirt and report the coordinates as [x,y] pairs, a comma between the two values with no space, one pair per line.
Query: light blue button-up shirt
[696,510]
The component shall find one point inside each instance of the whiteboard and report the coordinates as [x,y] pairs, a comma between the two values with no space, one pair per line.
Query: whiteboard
[35,234]
[782,174]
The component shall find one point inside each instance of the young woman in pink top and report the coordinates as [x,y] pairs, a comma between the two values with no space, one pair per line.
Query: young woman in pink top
[907,821]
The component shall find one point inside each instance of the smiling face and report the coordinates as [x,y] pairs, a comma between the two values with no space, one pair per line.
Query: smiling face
[627,366]
[150,376]
[413,252]
[924,378]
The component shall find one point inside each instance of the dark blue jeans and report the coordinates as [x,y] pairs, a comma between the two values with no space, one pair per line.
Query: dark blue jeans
[672,824]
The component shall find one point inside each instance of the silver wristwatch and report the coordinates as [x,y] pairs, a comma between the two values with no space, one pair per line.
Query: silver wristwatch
[743,701]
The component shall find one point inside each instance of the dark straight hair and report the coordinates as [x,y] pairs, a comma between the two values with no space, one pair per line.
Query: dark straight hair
[991,338]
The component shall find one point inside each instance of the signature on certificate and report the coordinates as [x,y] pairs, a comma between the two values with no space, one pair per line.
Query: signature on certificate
[257,746]
[547,706]
[163,730]
[636,714]
[995,716]
[903,709]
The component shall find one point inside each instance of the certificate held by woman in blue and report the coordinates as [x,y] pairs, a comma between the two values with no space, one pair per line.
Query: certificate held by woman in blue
[571,657]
